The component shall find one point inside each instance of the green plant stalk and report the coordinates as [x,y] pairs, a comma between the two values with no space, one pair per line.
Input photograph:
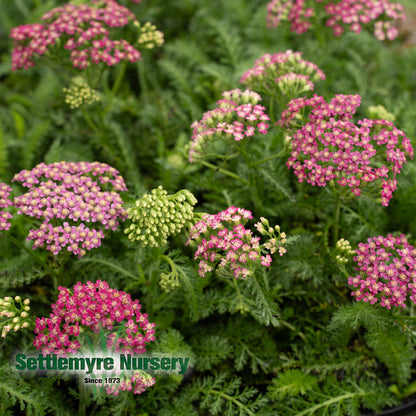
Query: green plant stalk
[231,399]
[82,405]
[224,171]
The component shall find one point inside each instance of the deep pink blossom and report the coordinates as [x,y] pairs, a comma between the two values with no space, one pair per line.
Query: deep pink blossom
[330,148]
[387,271]
[341,14]
[83,30]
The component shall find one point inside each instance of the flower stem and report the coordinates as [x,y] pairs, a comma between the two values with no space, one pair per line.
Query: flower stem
[224,171]
[82,405]
[279,154]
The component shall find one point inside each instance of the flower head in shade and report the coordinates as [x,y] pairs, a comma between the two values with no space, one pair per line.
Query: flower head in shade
[338,15]
[4,203]
[238,116]
[66,196]
[225,246]
[387,271]
[284,73]
[84,31]
[94,307]
[157,215]
[330,149]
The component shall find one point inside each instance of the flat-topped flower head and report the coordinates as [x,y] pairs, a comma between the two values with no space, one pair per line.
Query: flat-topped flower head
[226,247]
[79,93]
[238,116]
[138,383]
[338,15]
[91,308]
[157,215]
[84,30]
[387,271]
[5,202]
[284,73]
[329,149]
[68,195]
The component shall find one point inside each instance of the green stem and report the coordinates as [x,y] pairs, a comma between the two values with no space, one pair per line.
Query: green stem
[336,218]
[30,252]
[82,405]
[116,86]
[224,171]
[169,261]
[279,154]
[292,328]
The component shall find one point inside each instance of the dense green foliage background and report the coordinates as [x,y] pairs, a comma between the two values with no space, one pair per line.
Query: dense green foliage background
[289,342]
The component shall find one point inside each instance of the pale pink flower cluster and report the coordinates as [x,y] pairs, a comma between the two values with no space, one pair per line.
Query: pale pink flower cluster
[71,191]
[94,307]
[329,147]
[4,203]
[387,267]
[137,383]
[236,117]
[82,29]
[282,73]
[227,247]
[352,14]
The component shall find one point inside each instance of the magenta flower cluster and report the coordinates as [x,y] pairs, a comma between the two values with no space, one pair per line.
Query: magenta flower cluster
[65,195]
[387,271]
[4,203]
[83,30]
[352,14]
[329,147]
[237,117]
[226,246]
[94,307]
[282,73]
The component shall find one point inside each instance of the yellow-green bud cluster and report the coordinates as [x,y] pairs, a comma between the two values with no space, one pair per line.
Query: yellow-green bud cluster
[149,37]
[14,314]
[169,281]
[379,112]
[158,215]
[79,93]
[275,242]
[345,251]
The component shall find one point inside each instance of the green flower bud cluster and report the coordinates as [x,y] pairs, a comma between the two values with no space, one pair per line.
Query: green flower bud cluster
[149,37]
[275,242]
[345,251]
[158,215]
[169,281]
[14,314]
[379,112]
[79,93]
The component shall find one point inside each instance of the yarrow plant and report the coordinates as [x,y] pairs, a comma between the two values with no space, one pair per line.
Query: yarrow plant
[65,196]
[80,93]
[84,31]
[352,14]
[387,271]
[284,73]
[91,308]
[237,117]
[5,202]
[157,215]
[330,149]
[225,246]
[14,314]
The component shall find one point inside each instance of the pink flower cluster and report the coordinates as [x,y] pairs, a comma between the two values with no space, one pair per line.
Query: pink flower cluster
[224,243]
[137,383]
[329,147]
[387,267]
[66,191]
[83,30]
[94,307]
[4,203]
[345,13]
[282,73]
[237,116]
